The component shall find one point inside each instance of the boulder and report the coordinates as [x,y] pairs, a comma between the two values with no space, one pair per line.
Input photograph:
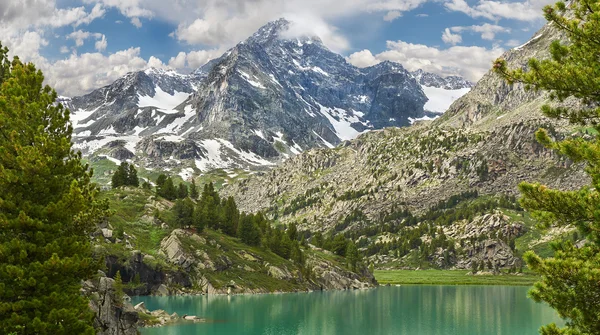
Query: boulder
[107,233]
[162,290]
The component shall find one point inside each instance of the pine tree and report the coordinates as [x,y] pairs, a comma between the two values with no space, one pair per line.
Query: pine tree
[570,279]
[248,231]
[168,190]
[339,245]
[184,212]
[160,183]
[118,288]
[296,254]
[352,255]
[182,191]
[47,210]
[292,231]
[132,177]
[231,217]
[119,178]
[194,190]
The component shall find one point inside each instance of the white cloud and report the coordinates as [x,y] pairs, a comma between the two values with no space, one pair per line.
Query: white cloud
[363,58]
[223,23]
[487,31]
[392,15]
[450,38]
[529,10]
[129,8]
[178,62]
[136,22]
[193,59]
[512,43]
[80,74]
[471,62]
[156,63]
[80,36]
[101,44]
[64,50]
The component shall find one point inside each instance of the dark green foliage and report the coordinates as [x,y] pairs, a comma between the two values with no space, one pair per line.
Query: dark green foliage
[119,178]
[118,288]
[126,175]
[146,185]
[165,187]
[231,217]
[209,206]
[292,232]
[317,240]
[279,243]
[570,279]
[296,254]
[194,190]
[182,191]
[352,255]
[132,177]
[160,182]
[184,212]
[339,245]
[47,210]
[248,230]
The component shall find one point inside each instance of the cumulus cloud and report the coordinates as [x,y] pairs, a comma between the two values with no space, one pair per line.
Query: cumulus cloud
[471,62]
[101,44]
[136,22]
[363,58]
[80,36]
[392,15]
[450,38]
[529,10]
[129,8]
[223,23]
[487,31]
[91,70]
[193,59]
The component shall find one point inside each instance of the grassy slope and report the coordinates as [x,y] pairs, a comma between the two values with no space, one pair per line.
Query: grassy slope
[129,205]
[449,277]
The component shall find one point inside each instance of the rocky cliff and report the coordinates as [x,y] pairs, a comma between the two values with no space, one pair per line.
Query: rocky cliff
[484,143]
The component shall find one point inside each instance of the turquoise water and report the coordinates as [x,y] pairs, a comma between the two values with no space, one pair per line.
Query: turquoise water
[420,310]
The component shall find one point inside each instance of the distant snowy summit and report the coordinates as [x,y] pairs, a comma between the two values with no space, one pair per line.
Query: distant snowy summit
[269,97]
[441,91]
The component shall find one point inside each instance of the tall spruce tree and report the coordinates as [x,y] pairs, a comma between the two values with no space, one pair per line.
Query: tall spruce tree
[119,178]
[182,191]
[569,279]
[47,210]
[231,217]
[194,190]
[132,177]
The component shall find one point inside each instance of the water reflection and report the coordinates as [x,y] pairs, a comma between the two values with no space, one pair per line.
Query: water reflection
[388,310]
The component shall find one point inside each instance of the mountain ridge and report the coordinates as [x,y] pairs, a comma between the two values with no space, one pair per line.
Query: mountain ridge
[264,100]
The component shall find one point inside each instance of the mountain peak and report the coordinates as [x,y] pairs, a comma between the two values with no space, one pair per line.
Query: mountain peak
[270,31]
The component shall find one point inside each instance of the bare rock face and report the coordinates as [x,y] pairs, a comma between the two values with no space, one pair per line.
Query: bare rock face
[172,248]
[331,277]
[112,317]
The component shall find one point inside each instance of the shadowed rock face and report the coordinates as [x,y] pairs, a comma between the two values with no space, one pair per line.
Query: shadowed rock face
[269,96]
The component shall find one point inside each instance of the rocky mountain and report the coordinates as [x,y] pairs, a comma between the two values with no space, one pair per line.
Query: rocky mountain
[415,182]
[270,97]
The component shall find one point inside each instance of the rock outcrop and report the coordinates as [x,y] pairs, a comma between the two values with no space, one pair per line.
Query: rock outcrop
[112,317]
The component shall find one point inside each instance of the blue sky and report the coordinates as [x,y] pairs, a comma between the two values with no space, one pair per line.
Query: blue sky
[85,44]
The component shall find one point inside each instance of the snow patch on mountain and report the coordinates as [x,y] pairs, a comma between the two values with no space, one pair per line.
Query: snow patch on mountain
[162,100]
[440,99]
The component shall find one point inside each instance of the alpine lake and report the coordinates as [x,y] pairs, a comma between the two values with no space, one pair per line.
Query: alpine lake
[406,309]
